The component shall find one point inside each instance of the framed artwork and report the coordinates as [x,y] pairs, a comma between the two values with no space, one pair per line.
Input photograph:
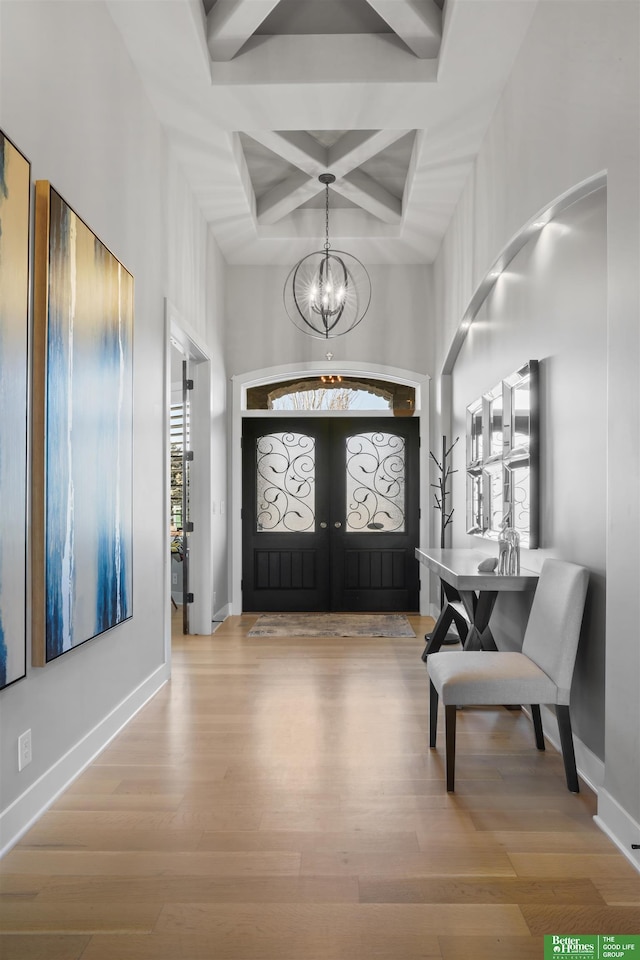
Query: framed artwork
[15,180]
[82,433]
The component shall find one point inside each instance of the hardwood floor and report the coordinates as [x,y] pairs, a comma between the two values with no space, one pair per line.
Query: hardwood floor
[278,801]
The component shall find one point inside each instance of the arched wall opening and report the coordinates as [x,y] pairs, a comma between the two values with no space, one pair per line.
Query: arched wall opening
[546,299]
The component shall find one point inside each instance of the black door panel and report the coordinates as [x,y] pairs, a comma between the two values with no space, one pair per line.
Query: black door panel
[330,514]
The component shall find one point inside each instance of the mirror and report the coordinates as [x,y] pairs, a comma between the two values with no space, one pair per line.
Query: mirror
[474,433]
[502,458]
[495,405]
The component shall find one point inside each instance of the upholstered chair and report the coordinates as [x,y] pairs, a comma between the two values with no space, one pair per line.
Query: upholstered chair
[541,673]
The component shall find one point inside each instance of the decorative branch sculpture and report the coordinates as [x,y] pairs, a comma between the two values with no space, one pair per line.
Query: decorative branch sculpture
[444,467]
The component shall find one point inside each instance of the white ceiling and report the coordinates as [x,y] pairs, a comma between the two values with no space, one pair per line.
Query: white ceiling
[259,97]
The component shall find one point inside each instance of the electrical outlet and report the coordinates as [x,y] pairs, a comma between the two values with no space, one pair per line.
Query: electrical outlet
[24,749]
[174,579]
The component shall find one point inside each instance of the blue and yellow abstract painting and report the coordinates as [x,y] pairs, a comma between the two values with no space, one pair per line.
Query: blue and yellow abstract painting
[14,305]
[88,431]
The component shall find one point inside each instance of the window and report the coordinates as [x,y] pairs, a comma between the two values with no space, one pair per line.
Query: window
[333,392]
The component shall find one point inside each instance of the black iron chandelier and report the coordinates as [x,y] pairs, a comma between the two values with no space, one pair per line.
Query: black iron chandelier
[328,292]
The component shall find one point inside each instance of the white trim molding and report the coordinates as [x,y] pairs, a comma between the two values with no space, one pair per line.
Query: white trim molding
[20,815]
[240,383]
[621,828]
[530,229]
[186,340]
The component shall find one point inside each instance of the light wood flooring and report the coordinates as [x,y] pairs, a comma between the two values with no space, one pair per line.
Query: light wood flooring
[278,801]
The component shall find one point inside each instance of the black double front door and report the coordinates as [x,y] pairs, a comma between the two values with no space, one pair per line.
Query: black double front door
[330,511]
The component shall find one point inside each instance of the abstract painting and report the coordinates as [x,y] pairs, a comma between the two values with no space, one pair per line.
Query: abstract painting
[83,433]
[15,179]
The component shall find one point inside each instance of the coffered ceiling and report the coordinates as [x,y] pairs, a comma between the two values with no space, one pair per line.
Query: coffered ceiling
[259,97]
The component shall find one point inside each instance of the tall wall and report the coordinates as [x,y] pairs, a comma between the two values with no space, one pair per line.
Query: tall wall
[71,100]
[393,332]
[551,306]
[196,285]
[215,290]
[570,111]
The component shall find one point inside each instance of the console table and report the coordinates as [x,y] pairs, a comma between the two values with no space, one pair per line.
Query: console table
[478,592]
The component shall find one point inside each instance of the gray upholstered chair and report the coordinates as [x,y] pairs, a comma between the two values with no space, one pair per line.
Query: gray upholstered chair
[542,673]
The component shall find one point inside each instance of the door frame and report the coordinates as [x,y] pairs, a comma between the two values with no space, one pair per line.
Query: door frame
[187,340]
[240,383]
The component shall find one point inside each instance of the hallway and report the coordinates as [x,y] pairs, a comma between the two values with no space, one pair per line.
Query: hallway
[277,800]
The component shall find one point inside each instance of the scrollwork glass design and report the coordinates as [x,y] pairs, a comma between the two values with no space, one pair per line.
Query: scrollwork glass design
[285,483]
[375,477]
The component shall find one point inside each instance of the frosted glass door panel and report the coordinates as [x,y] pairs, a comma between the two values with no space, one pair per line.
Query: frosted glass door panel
[286,483]
[375,483]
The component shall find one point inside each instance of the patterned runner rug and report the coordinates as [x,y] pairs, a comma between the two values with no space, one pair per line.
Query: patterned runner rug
[331,625]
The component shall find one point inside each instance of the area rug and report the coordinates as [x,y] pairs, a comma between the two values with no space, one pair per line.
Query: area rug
[331,625]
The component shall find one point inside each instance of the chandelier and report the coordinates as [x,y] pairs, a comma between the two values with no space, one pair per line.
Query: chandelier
[328,292]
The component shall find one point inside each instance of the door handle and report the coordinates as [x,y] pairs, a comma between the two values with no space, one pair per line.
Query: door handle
[337,524]
[323,525]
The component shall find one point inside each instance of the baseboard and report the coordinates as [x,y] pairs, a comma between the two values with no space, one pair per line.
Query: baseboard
[221,615]
[29,806]
[612,819]
[619,826]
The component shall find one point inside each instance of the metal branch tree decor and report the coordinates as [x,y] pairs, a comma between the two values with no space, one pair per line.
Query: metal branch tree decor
[446,516]
[445,471]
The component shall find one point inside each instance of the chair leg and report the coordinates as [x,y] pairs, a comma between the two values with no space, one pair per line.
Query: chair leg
[433,714]
[566,741]
[450,731]
[537,725]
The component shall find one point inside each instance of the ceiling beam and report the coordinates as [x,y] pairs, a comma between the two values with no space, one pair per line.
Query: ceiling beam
[230,23]
[417,22]
[296,146]
[291,66]
[286,197]
[362,189]
[357,146]
[304,152]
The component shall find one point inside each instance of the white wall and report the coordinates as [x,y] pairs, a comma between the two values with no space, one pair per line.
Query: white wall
[196,291]
[571,110]
[551,306]
[71,101]
[216,287]
[395,333]
[261,335]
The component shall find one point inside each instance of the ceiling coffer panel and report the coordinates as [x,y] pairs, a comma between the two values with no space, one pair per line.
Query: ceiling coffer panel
[233,23]
[370,166]
[398,126]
